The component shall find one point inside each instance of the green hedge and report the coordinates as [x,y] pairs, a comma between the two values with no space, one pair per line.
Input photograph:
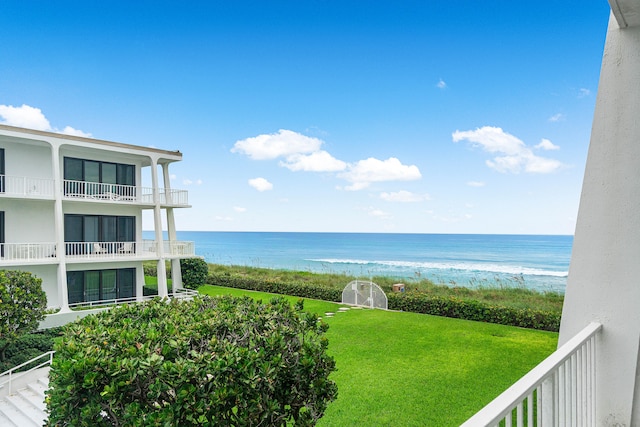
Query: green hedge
[303,290]
[417,302]
[474,310]
[29,346]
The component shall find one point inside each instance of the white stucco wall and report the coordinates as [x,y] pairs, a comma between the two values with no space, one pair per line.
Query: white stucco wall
[604,276]
[24,158]
[48,274]
[29,221]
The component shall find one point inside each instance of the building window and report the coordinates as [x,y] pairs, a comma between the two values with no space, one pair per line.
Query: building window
[101,285]
[96,229]
[78,172]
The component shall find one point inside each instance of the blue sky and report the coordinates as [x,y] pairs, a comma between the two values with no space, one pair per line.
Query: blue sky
[347,116]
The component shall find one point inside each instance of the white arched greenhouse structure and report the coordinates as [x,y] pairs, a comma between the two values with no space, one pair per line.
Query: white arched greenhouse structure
[364,294]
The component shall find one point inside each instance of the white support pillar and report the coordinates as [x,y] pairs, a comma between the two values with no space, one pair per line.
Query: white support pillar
[604,276]
[176,273]
[157,225]
[63,293]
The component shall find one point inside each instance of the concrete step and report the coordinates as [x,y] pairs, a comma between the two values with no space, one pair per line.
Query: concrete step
[26,406]
[31,412]
[34,398]
[5,422]
[39,387]
[14,417]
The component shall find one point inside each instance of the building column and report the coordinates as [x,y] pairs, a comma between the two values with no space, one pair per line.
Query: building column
[58,214]
[604,275]
[176,273]
[157,225]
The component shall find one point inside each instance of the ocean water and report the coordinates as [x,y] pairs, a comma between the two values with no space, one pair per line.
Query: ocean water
[533,261]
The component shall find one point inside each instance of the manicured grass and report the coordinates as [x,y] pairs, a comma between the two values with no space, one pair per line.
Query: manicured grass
[407,369]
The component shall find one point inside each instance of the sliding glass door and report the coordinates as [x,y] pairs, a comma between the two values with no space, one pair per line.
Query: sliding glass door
[78,173]
[101,285]
[96,229]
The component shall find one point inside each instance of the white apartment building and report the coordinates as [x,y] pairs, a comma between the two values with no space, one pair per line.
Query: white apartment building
[71,213]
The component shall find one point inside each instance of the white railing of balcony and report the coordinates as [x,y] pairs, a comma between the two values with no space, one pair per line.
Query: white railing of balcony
[171,248]
[27,251]
[174,197]
[560,391]
[122,193]
[26,186]
[100,249]
[185,294]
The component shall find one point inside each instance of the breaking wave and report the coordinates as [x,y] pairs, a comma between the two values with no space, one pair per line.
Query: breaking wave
[457,266]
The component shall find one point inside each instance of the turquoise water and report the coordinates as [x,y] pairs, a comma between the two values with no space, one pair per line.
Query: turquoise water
[539,262]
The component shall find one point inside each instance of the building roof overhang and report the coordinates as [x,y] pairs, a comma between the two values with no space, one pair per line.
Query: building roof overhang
[80,141]
[626,12]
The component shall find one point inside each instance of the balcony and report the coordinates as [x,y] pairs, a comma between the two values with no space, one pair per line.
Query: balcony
[27,253]
[171,248]
[26,187]
[117,193]
[44,188]
[121,250]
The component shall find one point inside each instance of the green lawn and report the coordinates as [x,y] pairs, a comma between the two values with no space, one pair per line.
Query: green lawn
[408,369]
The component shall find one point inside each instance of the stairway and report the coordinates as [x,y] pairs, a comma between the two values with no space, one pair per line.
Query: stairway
[25,407]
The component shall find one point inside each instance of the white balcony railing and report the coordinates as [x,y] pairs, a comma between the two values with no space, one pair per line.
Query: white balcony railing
[185,294]
[27,251]
[29,187]
[23,186]
[93,250]
[560,391]
[170,247]
[100,249]
[123,193]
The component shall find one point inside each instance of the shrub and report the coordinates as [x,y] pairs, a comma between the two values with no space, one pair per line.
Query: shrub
[22,306]
[420,302]
[303,290]
[28,346]
[212,361]
[194,272]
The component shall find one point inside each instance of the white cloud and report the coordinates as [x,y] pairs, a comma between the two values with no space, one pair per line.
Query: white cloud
[318,161]
[29,117]
[537,164]
[25,117]
[404,196]
[187,181]
[545,144]
[557,118]
[261,184]
[582,93]
[441,84]
[364,172]
[172,176]
[378,213]
[239,209]
[68,130]
[513,155]
[222,218]
[476,184]
[284,143]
